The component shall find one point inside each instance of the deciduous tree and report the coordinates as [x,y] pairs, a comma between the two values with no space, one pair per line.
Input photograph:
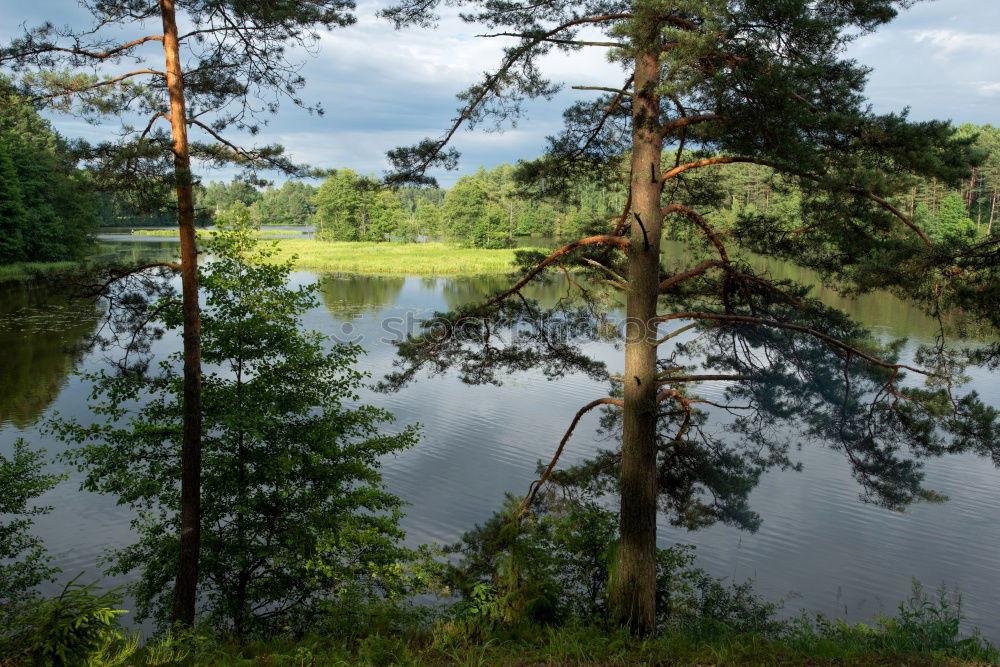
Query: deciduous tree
[296,519]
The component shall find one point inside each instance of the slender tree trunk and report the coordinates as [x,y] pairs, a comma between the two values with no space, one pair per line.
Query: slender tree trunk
[186,583]
[993,212]
[634,586]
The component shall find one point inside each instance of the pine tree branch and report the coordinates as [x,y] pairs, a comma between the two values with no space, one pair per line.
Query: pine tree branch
[620,92]
[614,241]
[687,121]
[492,81]
[99,84]
[701,222]
[537,484]
[571,42]
[746,319]
[83,53]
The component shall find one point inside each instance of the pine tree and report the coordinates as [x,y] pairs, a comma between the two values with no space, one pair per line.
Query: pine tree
[207,78]
[721,82]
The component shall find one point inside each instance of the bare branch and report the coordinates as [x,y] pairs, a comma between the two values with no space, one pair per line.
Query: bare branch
[702,378]
[537,484]
[615,241]
[570,42]
[687,121]
[701,222]
[707,162]
[746,319]
[604,89]
[676,279]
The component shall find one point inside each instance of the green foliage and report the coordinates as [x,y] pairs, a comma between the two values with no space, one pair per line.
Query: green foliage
[296,520]
[709,622]
[23,561]
[923,626]
[350,207]
[393,258]
[554,566]
[47,208]
[953,222]
[291,204]
[219,196]
[79,627]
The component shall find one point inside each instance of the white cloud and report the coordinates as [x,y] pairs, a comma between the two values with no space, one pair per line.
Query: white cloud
[989,87]
[383,88]
[950,42]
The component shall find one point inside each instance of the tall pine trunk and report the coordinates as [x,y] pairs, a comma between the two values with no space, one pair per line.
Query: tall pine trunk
[634,588]
[186,583]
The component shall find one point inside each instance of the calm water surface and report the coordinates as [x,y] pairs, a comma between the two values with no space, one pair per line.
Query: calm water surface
[819,548]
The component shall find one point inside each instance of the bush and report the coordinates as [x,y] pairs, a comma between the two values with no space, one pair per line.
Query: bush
[80,626]
[552,567]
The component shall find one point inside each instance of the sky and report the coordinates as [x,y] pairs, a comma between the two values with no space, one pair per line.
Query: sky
[383,88]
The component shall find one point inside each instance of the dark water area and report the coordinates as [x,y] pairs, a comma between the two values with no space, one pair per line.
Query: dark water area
[819,549]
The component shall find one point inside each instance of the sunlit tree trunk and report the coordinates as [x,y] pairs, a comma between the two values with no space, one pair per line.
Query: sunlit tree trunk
[185,588]
[634,588]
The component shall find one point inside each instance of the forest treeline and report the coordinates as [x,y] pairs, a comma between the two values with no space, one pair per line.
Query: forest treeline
[489,208]
[47,210]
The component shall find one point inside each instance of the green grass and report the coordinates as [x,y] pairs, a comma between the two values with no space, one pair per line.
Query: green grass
[421,259]
[429,259]
[24,271]
[207,232]
[555,646]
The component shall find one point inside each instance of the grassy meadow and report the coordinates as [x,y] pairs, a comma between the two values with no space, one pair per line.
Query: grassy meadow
[389,258]
[171,233]
[427,259]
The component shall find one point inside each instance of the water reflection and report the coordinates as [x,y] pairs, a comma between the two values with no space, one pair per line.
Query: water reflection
[880,311]
[40,327]
[819,547]
[351,296]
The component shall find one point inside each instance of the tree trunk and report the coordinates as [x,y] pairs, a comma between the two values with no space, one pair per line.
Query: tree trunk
[634,585]
[993,211]
[186,583]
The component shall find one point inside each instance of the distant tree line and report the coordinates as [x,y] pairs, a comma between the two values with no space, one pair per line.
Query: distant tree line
[47,211]
[943,212]
[489,208]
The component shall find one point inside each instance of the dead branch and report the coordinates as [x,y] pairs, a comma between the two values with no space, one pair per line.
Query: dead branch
[537,484]
[670,282]
[614,241]
[605,89]
[701,222]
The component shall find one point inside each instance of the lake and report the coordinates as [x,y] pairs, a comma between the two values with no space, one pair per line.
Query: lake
[819,548]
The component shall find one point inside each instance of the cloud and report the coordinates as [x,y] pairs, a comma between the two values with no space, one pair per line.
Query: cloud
[383,88]
[989,87]
[948,42]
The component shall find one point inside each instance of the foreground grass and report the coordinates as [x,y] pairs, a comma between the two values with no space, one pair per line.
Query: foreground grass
[852,645]
[429,259]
